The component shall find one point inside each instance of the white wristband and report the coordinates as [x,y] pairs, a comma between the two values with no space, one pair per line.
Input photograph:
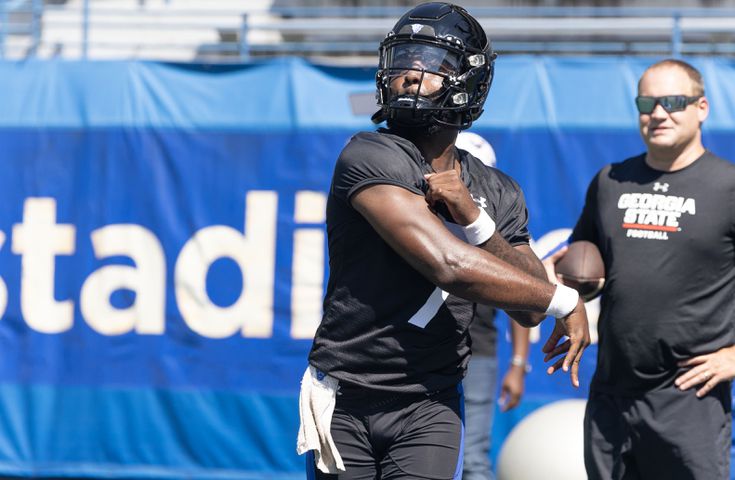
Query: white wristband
[563,302]
[480,230]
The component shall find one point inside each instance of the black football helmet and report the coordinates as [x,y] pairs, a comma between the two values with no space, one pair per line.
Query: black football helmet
[439,39]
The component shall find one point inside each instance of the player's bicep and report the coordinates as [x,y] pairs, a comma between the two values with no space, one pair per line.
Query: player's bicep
[404,221]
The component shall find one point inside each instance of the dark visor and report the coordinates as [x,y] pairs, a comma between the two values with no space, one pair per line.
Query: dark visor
[418,56]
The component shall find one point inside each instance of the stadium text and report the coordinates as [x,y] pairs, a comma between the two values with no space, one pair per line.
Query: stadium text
[39,240]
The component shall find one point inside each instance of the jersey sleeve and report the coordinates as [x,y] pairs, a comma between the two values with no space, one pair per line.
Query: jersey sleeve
[586,227]
[369,159]
[512,215]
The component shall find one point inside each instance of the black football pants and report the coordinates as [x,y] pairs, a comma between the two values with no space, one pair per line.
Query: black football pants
[665,434]
[388,436]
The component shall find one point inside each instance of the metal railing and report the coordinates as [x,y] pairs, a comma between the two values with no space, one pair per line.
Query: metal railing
[227,30]
[92,30]
[565,30]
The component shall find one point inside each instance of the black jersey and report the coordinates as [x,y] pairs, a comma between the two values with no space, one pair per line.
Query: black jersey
[668,242]
[385,326]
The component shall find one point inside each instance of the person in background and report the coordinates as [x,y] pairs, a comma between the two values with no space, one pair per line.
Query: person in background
[482,372]
[664,221]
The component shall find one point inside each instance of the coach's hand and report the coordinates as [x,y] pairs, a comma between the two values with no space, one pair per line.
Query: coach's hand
[448,188]
[707,370]
[550,262]
[575,327]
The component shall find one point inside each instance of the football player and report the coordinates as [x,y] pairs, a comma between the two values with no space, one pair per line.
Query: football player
[417,232]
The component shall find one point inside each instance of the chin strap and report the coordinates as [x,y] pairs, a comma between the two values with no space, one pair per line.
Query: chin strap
[379,117]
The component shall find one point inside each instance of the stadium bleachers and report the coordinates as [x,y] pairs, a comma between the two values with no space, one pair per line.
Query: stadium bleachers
[171,30]
[342,31]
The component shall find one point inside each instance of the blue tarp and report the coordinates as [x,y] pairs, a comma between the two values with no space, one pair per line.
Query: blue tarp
[162,254]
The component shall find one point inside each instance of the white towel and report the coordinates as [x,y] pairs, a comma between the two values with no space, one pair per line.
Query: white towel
[316,405]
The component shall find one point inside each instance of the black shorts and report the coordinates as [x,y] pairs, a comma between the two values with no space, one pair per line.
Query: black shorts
[663,434]
[387,436]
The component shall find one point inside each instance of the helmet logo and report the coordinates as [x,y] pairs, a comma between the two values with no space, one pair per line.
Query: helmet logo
[416,27]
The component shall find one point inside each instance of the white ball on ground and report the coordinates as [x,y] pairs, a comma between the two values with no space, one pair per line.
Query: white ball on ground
[548,443]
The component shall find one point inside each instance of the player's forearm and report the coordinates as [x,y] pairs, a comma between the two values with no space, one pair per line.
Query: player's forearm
[484,278]
[525,319]
[523,258]
[518,257]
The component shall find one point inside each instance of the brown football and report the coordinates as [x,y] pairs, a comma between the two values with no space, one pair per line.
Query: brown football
[582,269]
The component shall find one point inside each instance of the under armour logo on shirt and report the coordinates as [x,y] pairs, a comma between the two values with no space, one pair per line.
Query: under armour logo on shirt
[482,202]
[660,187]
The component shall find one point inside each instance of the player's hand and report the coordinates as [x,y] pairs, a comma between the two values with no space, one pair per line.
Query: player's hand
[707,370]
[448,188]
[511,390]
[550,261]
[575,327]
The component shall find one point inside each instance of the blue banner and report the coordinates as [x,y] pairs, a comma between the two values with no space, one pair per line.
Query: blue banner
[163,254]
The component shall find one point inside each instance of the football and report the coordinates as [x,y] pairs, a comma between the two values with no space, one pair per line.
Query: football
[582,269]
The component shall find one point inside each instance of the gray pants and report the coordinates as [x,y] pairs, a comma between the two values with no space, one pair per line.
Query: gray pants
[663,434]
[480,385]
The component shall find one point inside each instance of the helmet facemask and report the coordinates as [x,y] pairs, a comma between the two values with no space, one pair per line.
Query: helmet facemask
[444,82]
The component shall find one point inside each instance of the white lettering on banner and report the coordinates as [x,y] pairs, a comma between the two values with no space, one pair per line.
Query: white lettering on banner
[3,287]
[39,239]
[254,252]
[307,277]
[147,279]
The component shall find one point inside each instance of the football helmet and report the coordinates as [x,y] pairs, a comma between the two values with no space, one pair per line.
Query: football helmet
[446,52]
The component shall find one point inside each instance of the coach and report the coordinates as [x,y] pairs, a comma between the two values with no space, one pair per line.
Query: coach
[664,221]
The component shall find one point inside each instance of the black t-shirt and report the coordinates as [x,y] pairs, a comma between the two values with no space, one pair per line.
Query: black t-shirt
[385,326]
[668,242]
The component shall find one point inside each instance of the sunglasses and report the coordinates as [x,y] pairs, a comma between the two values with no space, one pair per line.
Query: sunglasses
[670,103]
